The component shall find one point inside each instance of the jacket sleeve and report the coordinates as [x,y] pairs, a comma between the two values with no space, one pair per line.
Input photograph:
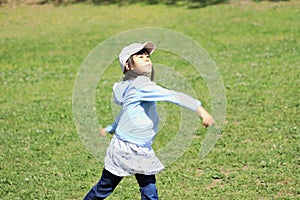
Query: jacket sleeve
[149,91]
[112,128]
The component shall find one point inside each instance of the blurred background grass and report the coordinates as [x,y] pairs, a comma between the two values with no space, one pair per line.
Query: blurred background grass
[255,46]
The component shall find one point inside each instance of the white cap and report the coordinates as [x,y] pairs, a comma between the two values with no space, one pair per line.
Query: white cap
[133,49]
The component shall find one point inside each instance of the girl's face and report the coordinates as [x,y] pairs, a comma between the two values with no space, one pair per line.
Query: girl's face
[142,63]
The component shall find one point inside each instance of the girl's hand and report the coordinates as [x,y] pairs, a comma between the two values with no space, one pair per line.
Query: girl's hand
[103,132]
[205,116]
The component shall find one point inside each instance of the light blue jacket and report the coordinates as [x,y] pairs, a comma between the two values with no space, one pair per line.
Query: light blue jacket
[138,120]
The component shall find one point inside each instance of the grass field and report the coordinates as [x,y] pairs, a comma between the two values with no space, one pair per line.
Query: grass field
[256,47]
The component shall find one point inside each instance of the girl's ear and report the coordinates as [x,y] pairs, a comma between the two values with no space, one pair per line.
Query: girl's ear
[127,68]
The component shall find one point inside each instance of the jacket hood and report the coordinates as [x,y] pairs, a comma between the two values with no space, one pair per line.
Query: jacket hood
[119,90]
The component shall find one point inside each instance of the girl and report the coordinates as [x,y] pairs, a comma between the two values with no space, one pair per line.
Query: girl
[130,151]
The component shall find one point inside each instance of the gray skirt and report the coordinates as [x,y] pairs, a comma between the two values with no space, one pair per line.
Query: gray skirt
[124,159]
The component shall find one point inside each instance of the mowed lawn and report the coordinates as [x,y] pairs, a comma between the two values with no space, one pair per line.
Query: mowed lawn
[255,47]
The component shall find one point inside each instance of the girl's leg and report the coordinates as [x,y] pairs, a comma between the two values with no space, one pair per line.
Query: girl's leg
[147,186]
[105,186]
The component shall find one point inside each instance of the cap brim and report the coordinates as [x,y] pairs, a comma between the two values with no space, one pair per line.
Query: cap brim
[150,46]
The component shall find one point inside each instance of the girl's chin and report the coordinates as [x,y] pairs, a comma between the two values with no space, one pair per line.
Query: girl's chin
[147,69]
[144,69]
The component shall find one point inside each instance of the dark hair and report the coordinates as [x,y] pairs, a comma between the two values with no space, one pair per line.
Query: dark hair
[142,52]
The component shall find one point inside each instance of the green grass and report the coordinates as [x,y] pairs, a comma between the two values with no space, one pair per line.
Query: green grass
[256,49]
